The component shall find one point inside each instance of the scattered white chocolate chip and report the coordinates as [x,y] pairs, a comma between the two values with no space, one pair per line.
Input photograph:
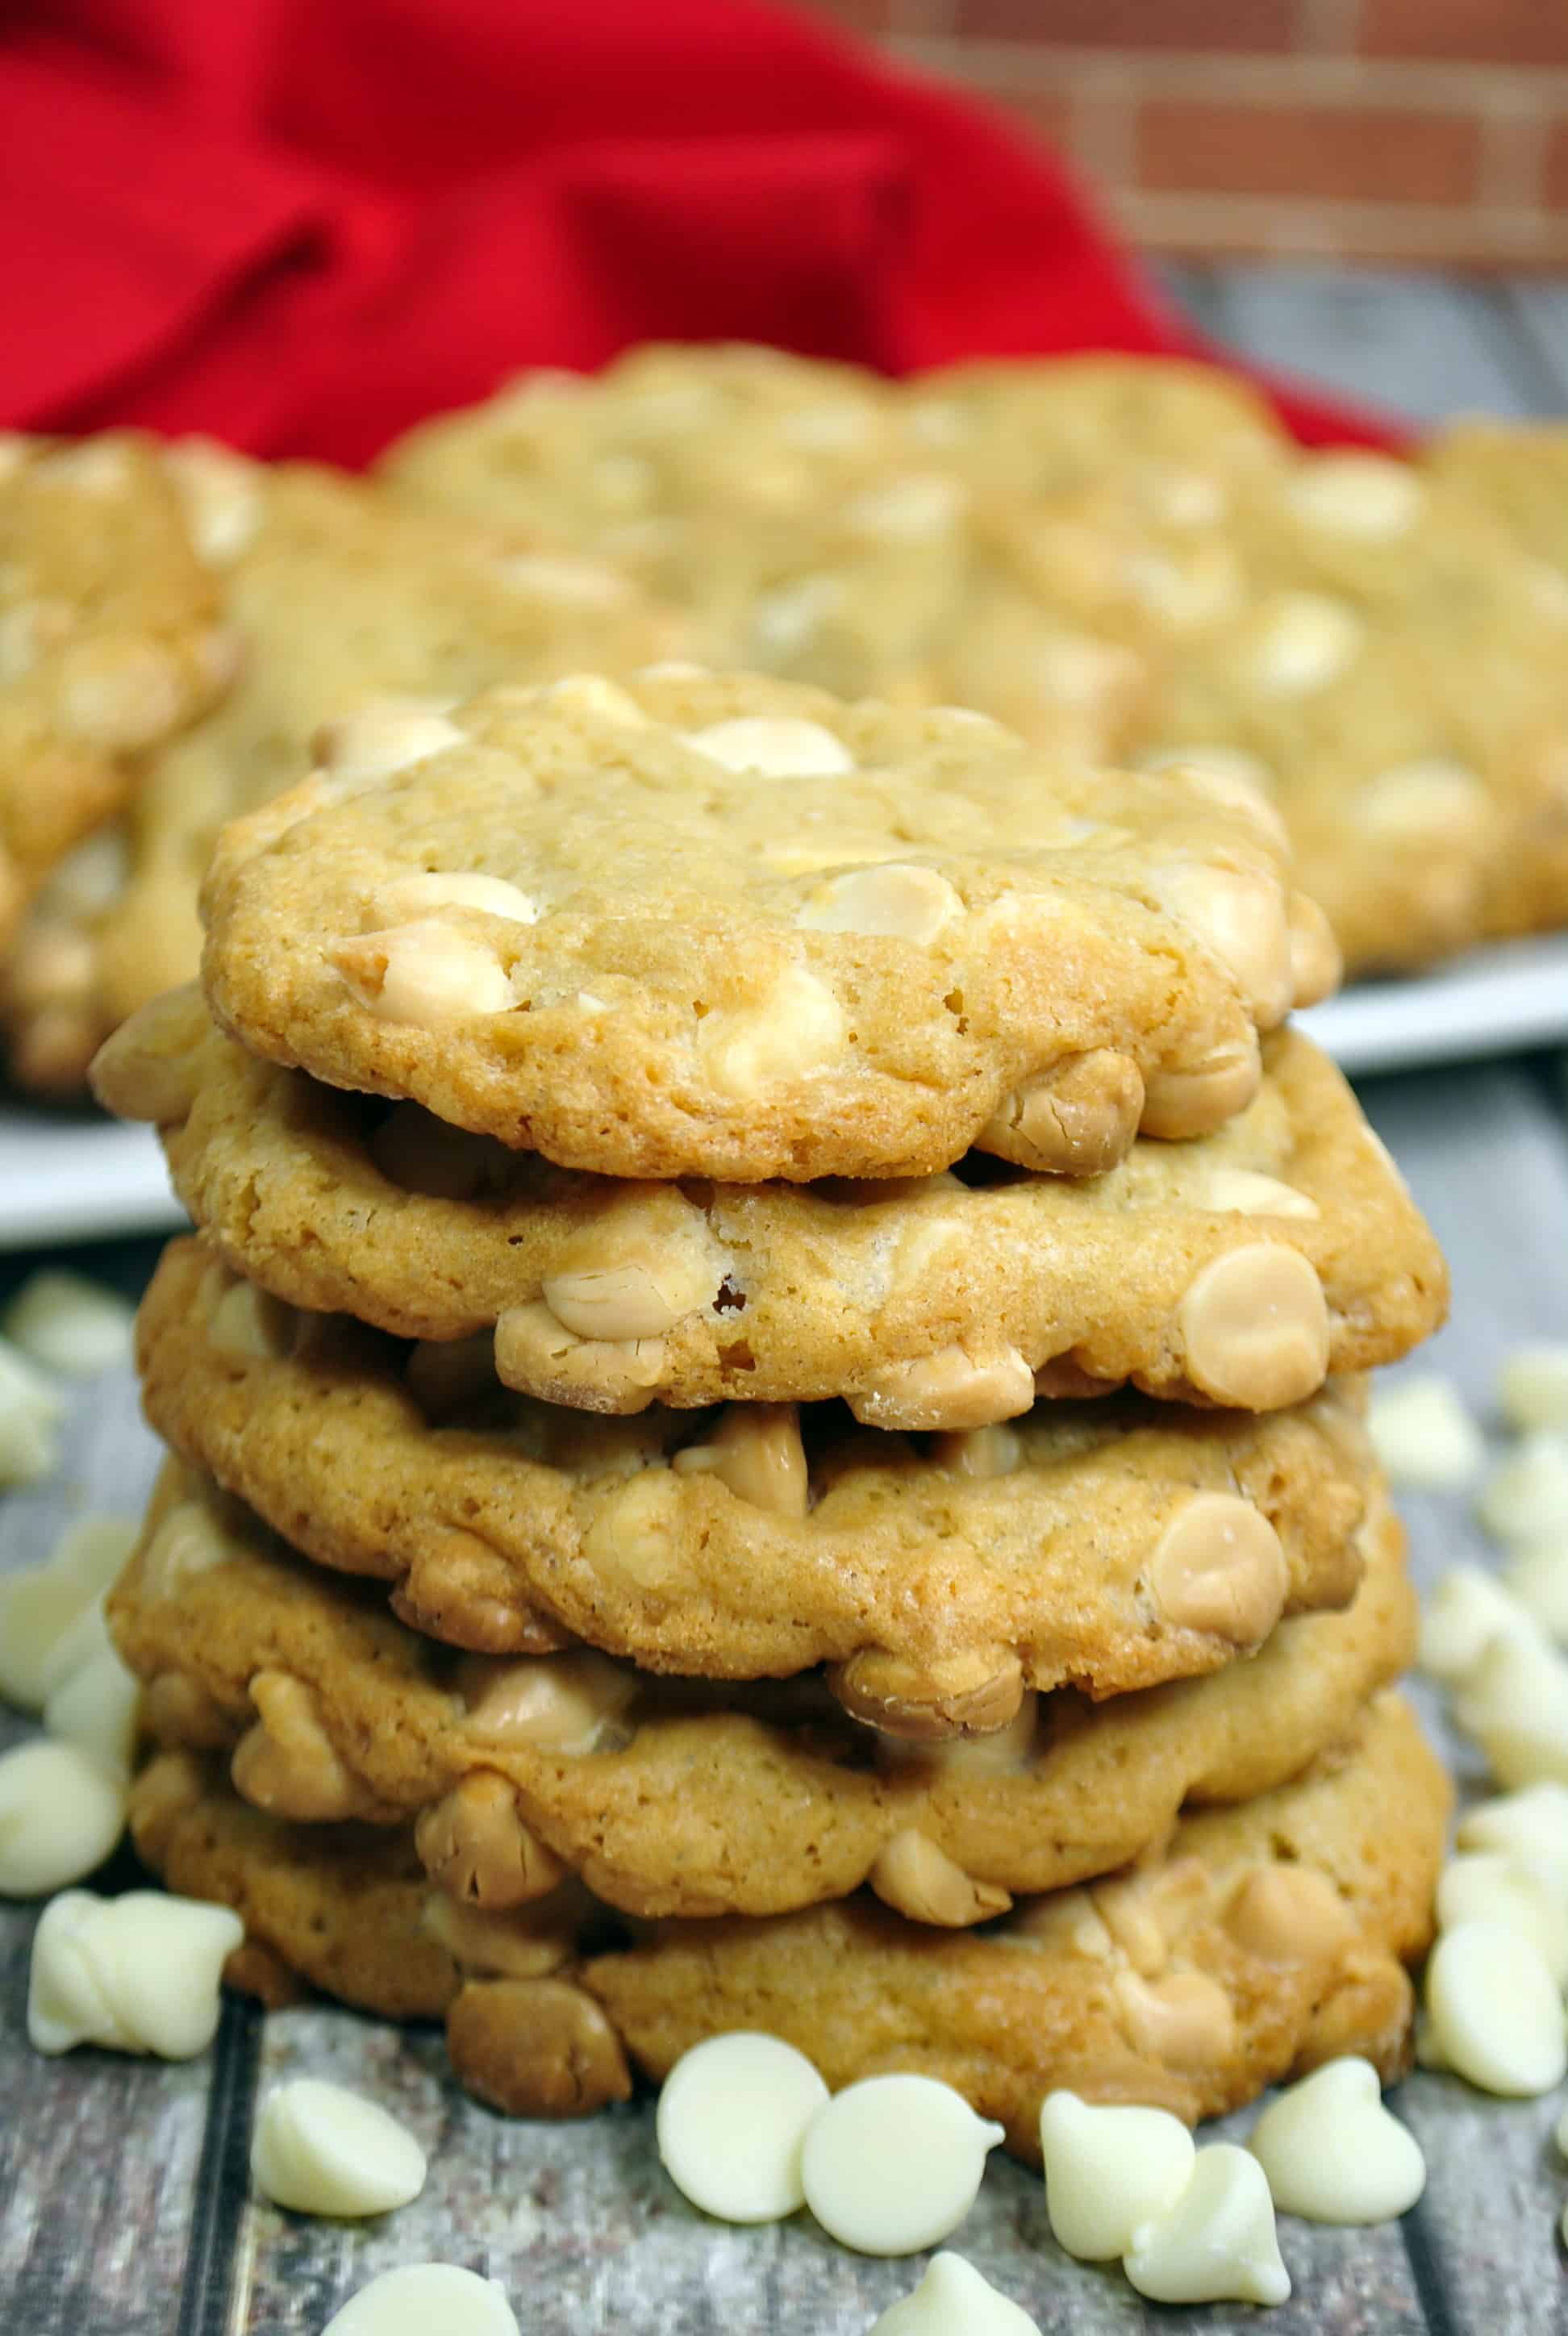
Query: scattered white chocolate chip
[1217,2242]
[1333,2153]
[1424,1437]
[733,2115]
[1108,2171]
[905,903]
[1515,1703]
[773,746]
[1249,1195]
[953,2299]
[1307,642]
[791,1031]
[1507,1886]
[95,1706]
[320,2149]
[1531,1824]
[409,897]
[60,1813]
[1461,1617]
[426,973]
[389,734]
[893,2164]
[1533,1388]
[1424,800]
[1369,496]
[1525,1497]
[138,1974]
[420,2298]
[72,1325]
[40,1603]
[30,1409]
[1537,1576]
[1496,2011]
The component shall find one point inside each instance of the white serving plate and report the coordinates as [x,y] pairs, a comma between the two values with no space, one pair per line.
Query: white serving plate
[82,1179]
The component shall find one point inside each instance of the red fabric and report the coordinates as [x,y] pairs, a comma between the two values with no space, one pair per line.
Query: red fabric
[302,226]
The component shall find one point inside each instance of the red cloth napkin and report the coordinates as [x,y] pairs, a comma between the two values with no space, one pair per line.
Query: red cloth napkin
[302,226]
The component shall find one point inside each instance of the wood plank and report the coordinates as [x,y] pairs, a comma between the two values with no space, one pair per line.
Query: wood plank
[1422,345]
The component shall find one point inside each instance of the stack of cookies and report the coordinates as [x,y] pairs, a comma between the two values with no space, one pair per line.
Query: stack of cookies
[765,1410]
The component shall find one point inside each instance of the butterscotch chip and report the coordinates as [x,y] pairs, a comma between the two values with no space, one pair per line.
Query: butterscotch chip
[1006,2015]
[359,622]
[925,1303]
[681,1796]
[976,913]
[109,644]
[946,1587]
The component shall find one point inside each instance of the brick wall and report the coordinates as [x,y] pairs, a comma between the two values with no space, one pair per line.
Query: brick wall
[1383,130]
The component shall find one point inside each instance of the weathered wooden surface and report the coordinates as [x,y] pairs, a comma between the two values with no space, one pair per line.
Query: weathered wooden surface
[124,2208]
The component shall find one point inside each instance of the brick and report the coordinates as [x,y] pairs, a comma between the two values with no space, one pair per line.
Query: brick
[1491,31]
[1234,26]
[1361,154]
[856,15]
[1554,176]
[1048,113]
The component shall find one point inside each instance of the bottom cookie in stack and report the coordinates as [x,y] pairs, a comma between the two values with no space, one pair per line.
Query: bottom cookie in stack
[1260,1941]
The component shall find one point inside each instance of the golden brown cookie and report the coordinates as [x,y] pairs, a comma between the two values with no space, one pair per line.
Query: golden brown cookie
[944,1574]
[1266,1939]
[338,596]
[109,643]
[715,925]
[685,1796]
[1239,1269]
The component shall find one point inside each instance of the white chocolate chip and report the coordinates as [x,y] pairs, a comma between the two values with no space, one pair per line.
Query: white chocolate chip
[90,880]
[422,2298]
[1371,497]
[251,1324]
[1308,642]
[1249,1195]
[1254,1327]
[409,897]
[910,904]
[600,700]
[1108,2171]
[561,1703]
[138,1974]
[773,746]
[792,1031]
[570,583]
[320,2149]
[389,734]
[1333,2153]
[30,1409]
[1217,2242]
[1461,1617]
[95,1706]
[1496,2011]
[953,2299]
[1509,1887]
[221,492]
[733,2115]
[426,973]
[187,1542]
[1533,1824]
[1533,1388]
[1537,1576]
[1516,1705]
[1240,916]
[1421,801]
[908,510]
[60,1813]
[39,1604]
[1425,1439]
[893,2164]
[950,1389]
[783,621]
[1525,1497]
[72,1325]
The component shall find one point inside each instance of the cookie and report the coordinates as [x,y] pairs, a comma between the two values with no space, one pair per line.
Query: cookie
[683,1796]
[1240,1270]
[578,919]
[109,642]
[1391,671]
[340,596]
[1265,1939]
[942,1575]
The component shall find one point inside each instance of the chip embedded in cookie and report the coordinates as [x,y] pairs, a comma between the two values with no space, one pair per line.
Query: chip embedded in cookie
[704,925]
[1239,1269]
[109,641]
[687,1796]
[943,1576]
[1266,1939]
